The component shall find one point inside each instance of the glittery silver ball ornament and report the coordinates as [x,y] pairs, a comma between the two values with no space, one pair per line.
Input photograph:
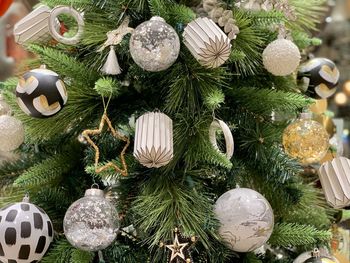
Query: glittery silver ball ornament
[91,223]
[154,45]
[4,107]
[246,219]
[11,133]
[281,57]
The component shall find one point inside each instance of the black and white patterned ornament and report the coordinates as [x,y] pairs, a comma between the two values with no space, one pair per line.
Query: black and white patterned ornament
[320,76]
[41,93]
[25,233]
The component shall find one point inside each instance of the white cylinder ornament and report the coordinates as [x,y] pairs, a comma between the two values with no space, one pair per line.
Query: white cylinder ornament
[335,180]
[220,125]
[210,46]
[154,139]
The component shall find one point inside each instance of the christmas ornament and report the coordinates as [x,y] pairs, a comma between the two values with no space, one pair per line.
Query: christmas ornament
[179,248]
[34,27]
[114,38]
[87,135]
[11,133]
[4,107]
[281,57]
[319,106]
[314,257]
[208,44]
[335,180]
[220,125]
[246,219]
[225,20]
[91,223]
[320,76]
[25,233]
[327,123]
[41,93]
[306,140]
[154,45]
[4,5]
[153,139]
[66,10]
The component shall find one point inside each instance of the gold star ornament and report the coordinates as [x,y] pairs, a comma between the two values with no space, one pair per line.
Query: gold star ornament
[87,135]
[180,248]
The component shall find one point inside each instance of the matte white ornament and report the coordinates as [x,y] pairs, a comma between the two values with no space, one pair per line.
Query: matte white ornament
[246,219]
[335,180]
[34,27]
[11,133]
[210,46]
[220,125]
[154,139]
[25,233]
[281,57]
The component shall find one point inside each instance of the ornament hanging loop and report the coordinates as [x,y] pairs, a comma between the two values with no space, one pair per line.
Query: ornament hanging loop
[95,186]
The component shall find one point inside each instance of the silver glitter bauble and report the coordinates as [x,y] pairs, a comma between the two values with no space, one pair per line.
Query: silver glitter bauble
[154,45]
[4,107]
[246,219]
[91,223]
[281,57]
[11,133]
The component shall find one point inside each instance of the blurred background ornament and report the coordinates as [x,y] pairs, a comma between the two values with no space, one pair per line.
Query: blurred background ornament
[4,5]
[25,233]
[306,140]
[11,133]
[220,125]
[319,106]
[320,76]
[246,219]
[281,57]
[154,45]
[154,139]
[335,180]
[207,42]
[41,93]
[91,223]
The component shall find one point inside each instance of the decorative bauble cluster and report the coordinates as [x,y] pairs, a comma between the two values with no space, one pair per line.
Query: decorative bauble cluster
[281,57]
[91,223]
[320,76]
[25,233]
[41,93]
[246,219]
[154,45]
[306,140]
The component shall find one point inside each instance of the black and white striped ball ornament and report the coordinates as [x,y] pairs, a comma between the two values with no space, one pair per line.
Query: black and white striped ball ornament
[25,233]
[41,93]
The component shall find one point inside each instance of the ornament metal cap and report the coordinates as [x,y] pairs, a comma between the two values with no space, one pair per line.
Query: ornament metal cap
[306,115]
[157,18]
[26,198]
[94,192]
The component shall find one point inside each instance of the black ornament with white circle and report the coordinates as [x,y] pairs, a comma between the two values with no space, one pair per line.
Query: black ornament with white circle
[41,93]
[25,233]
[320,76]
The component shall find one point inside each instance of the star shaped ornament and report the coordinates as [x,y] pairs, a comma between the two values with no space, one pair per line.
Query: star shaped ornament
[179,249]
[123,170]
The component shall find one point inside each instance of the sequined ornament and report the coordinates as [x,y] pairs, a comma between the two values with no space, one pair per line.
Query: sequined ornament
[246,219]
[306,140]
[11,133]
[154,45]
[91,223]
[25,233]
[41,93]
[281,57]
[320,76]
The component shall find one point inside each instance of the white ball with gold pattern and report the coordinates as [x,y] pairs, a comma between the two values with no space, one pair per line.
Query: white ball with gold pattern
[41,93]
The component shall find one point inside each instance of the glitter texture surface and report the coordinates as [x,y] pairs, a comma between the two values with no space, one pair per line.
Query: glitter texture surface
[306,140]
[281,57]
[11,133]
[91,223]
[154,45]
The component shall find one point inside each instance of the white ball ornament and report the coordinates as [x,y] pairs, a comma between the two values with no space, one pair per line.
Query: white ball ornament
[281,57]
[25,233]
[91,223]
[11,133]
[246,219]
[154,45]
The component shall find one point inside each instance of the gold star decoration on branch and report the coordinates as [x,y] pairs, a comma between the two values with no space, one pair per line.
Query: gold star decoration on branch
[180,248]
[87,135]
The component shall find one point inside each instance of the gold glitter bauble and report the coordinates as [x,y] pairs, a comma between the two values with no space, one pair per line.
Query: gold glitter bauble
[306,140]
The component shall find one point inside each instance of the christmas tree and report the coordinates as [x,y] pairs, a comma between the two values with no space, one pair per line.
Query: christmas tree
[149,84]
